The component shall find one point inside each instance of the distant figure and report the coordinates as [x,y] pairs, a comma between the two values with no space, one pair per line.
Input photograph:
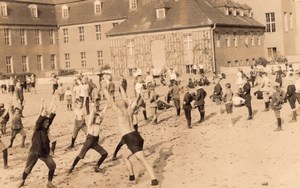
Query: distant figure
[123,83]
[61,92]
[68,97]
[279,74]
[187,107]
[200,101]
[277,99]
[54,84]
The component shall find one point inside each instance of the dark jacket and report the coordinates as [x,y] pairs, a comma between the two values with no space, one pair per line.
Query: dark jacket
[124,84]
[246,92]
[40,140]
[187,99]
[277,99]
[217,91]
[291,93]
[19,93]
[200,96]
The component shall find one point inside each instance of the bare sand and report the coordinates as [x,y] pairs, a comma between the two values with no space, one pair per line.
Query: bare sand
[212,154]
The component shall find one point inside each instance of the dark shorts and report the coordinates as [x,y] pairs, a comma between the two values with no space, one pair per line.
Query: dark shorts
[292,103]
[228,108]
[91,142]
[33,158]
[134,141]
[55,86]
[11,88]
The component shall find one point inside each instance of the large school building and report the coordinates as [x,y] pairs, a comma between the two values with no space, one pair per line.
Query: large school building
[45,36]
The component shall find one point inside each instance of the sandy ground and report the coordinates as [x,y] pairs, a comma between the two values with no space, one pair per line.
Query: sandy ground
[211,154]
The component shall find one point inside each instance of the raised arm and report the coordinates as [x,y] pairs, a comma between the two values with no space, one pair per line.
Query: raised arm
[104,86]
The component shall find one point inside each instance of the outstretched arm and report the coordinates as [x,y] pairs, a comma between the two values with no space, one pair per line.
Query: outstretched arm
[107,95]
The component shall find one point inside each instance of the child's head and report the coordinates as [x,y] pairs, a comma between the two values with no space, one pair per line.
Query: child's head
[228,85]
[60,84]
[68,88]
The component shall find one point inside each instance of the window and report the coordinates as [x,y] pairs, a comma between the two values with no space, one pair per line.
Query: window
[130,47]
[66,35]
[235,40]
[236,62]
[67,60]
[37,35]
[272,52]
[25,67]
[218,40]
[291,21]
[188,41]
[98,32]
[270,22]
[115,24]
[3,9]
[247,62]
[7,37]
[286,24]
[133,4]
[53,61]
[100,58]
[188,68]
[226,11]
[51,37]
[258,40]
[246,39]
[39,62]
[65,11]
[160,13]
[252,40]
[228,41]
[83,59]
[23,37]
[33,11]
[81,34]
[97,7]
[9,64]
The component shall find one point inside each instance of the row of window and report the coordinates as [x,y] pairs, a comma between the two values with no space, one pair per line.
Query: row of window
[83,59]
[98,5]
[81,33]
[241,62]
[25,63]
[271,21]
[23,36]
[32,8]
[235,40]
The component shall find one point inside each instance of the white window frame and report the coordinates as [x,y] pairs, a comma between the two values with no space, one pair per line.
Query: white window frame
[81,33]
[130,47]
[160,13]
[51,36]
[97,7]
[188,41]
[25,65]
[65,12]
[39,62]
[3,9]
[9,64]
[83,59]
[291,21]
[23,36]
[218,40]
[67,60]
[133,4]
[37,35]
[7,36]
[100,58]
[270,22]
[53,61]
[66,35]
[33,11]
[98,31]
[286,22]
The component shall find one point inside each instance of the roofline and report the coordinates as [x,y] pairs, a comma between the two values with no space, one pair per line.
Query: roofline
[158,30]
[71,2]
[81,23]
[27,2]
[35,25]
[181,28]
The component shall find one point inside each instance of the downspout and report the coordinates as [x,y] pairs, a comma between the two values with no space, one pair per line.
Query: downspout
[213,47]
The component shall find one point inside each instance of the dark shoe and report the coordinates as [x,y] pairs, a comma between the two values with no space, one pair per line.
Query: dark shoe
[6,167]
[249,118]
[10,146]
[21,184]
[278,129]
[114,158]
[154,182]
[293,121]
[50,185]
[98,170]
[70,170]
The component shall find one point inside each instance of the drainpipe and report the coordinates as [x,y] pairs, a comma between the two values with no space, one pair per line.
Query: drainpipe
[213,47]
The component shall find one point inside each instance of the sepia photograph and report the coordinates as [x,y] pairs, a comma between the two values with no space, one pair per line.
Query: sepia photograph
[149,93]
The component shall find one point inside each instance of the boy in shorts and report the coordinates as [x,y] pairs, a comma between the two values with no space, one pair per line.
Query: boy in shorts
[228,102]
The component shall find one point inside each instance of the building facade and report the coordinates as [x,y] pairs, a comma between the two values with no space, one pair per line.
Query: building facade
[41,37]
[224,34]
[28,37]
[282,35]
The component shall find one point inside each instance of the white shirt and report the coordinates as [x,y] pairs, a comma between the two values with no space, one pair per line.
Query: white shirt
[84,90]
[149,78]
[173,75]
[138,88]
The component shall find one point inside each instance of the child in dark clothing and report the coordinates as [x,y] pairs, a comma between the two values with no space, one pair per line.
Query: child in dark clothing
[187,107]
[199,101]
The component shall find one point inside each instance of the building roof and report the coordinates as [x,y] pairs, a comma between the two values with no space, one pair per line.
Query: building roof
[83,11]
[31,1]
[19,14]
[179,14]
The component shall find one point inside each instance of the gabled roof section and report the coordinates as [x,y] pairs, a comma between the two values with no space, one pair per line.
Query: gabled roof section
[181,14]
[83,11]
[19,14]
